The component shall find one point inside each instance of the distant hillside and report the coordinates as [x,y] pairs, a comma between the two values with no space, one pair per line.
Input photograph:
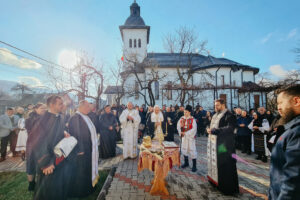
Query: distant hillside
[6,86]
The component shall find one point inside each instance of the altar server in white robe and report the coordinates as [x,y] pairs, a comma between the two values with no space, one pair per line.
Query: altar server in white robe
[187,129]
[130,120]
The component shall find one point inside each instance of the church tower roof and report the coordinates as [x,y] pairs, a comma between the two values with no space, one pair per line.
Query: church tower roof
[135,21]
[135,18]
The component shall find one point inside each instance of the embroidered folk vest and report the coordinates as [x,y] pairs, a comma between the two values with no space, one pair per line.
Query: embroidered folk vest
[188,124]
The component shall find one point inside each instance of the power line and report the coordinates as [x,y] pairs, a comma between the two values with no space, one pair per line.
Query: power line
[62,70]
[38,57]
[68,70]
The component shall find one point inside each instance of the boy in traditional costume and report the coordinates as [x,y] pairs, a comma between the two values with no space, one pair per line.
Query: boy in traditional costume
[187,129]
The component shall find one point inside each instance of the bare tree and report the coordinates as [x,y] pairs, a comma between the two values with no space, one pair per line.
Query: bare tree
[85,79]
[185,43]
[120,80]
[296,50]
[22,87]
[143,85]
[292,77]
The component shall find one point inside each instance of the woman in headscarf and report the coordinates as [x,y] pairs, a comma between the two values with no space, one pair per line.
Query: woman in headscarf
[259,127]
[22,135]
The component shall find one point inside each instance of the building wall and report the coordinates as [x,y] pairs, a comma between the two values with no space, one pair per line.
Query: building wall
[204,98]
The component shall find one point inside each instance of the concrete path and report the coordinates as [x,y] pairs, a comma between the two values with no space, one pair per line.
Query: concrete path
[183,184]
[127,183]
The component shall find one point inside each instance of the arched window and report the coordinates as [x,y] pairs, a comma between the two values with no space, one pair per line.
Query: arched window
[134,43]
[136,90]
[130,43]
[156,89]
[140,43]
[169,91]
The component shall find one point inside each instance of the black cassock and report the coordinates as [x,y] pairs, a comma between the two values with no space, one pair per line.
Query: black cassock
[95,119]
[107,148]
[47,133]
[170,126]
[225,151]
[81,164]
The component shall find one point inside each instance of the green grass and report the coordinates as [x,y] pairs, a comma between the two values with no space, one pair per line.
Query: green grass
[13,186]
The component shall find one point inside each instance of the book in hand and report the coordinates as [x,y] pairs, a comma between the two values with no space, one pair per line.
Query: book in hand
[65,147]
[167,144]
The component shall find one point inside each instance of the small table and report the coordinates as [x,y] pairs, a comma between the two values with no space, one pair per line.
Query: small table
[160,164]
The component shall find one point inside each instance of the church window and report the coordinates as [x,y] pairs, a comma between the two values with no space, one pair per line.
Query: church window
[136,90]
[140,43]
[156,86]
[130,43]
[169,91]
[134,43]
[256,101]
[235,93]
[224,97]
[223,80]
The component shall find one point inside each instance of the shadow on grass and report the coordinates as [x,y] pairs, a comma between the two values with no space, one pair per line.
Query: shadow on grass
[13,186]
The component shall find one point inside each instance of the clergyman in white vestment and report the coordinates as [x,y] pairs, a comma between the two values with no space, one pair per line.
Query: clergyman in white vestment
[130,120]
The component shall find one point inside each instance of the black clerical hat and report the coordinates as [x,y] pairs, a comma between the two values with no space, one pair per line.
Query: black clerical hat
[189,108]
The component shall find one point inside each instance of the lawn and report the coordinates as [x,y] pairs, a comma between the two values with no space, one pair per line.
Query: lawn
[13,186]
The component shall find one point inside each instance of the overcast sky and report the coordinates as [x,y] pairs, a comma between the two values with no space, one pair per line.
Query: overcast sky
[260,33]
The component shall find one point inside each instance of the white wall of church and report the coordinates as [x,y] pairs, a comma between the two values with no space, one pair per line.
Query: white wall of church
[204,98]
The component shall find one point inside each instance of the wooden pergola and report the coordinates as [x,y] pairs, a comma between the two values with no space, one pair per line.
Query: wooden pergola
[247,87]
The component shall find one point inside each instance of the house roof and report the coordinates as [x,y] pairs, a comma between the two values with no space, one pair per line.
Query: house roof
[195,61]
[113,89]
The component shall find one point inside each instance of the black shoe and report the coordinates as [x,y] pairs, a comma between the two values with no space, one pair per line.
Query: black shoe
[264,159]
[186,162]
[194,169]
[2,159]
[31,186]
[23,156]
[249,152]
[243,151]
[258,157]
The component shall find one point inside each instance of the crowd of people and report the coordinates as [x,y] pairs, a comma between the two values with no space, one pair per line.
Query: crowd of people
[34,133]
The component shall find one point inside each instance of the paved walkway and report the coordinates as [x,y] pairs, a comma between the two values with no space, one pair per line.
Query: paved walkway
[17,164]
[183,184]
[12,164]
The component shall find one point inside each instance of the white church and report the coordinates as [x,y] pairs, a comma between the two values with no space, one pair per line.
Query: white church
[210,77]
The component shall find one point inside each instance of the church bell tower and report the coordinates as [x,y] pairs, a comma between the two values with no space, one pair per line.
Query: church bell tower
[135,37]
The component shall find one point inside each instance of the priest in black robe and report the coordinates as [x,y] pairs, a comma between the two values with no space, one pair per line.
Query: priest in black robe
[85,162]
[94,116]
[221,130]
[108,134]
[53,175]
